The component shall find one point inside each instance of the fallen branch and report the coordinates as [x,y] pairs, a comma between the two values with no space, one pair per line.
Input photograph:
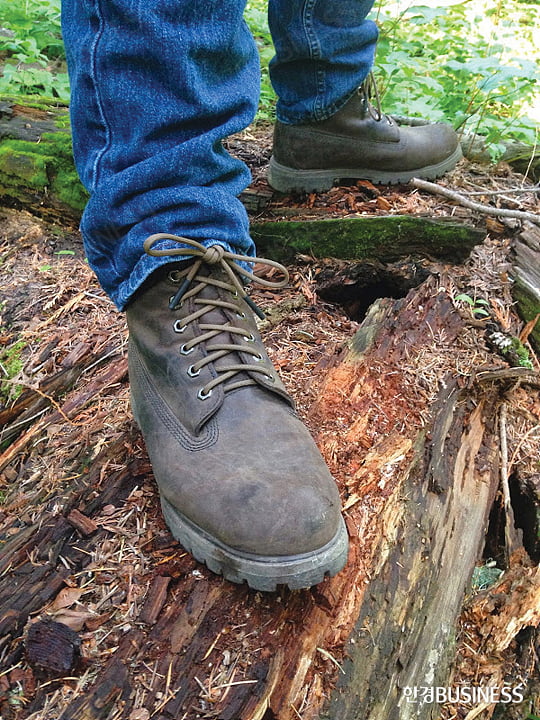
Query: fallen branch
[502,193]
[435,189]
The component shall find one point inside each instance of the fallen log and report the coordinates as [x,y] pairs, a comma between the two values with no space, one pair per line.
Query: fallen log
[385,238]
[408,428]
[36,160]
[526,289]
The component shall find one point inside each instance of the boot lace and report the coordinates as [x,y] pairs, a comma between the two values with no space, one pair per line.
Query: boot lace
[369,92]
[192,283]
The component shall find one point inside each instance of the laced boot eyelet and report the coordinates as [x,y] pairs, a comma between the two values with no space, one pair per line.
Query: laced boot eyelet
[258,358]
[249,338]
[186,351]
[178,327]
[178,304]
[269,377]
[202,395]
[241,315]
[193,373]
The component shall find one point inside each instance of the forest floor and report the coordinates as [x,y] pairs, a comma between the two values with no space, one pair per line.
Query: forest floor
[67,435]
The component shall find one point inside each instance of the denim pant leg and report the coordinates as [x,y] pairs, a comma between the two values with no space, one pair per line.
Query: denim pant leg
[156,86]
[324,51]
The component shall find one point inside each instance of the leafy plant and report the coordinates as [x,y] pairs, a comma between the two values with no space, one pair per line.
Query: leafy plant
[477,305]
[469,63]
[472,63]
[256,17]
[32,50]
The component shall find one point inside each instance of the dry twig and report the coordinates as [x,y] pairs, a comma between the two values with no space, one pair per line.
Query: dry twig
[471,204]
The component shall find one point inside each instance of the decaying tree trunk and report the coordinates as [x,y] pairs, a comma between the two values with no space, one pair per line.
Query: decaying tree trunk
[527,277]
[408,427]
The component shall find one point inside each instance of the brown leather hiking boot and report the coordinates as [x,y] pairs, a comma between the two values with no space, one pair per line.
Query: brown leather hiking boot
[359,142]
[243,486]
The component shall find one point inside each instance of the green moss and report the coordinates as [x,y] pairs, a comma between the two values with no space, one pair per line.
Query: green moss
[528,306]
[37,102]
[12,364]
[386,238]
[44,167]
[522,353]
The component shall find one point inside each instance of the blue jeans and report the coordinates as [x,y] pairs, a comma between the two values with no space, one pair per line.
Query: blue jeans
[158,84]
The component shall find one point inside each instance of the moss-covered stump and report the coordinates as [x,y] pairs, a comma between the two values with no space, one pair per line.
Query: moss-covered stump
[386,238]
[526,288]
[36,162]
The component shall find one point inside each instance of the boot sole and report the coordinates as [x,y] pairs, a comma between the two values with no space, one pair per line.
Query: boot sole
[260,572]
[287,179]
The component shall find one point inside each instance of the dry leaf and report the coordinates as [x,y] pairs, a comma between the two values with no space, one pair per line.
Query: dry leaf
[96,621]
[527,330]
[74,619]
[66,598]
[383,204]
[140,714]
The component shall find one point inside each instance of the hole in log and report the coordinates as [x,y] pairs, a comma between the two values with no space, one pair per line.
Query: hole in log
[494,548]
[527,519]
[358,285]
[527,516]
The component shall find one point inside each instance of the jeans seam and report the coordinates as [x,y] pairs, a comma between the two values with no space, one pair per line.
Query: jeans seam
[99,101]
[315,53]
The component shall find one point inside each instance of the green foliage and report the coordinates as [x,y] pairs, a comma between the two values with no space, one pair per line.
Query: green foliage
[476,305]
[31,49]
[257,19]
[11,364]
[474,64]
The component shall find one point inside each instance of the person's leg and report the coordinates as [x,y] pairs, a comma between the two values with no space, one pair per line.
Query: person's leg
[324,51]
[327,128]
[156,86]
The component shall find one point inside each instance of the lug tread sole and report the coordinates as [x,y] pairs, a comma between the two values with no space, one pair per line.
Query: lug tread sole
[263,573]
[287,179]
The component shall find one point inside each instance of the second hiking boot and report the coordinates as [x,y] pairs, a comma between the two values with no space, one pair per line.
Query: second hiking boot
[359,142]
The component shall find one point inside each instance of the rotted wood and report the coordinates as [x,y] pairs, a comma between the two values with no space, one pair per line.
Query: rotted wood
[526,288]
[417,475]
[386,238]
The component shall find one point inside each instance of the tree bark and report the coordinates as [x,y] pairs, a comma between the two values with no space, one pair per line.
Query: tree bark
[526,289]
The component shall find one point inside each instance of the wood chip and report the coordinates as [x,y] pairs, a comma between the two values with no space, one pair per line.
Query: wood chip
[155,599]
[52,647]
[85,525]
